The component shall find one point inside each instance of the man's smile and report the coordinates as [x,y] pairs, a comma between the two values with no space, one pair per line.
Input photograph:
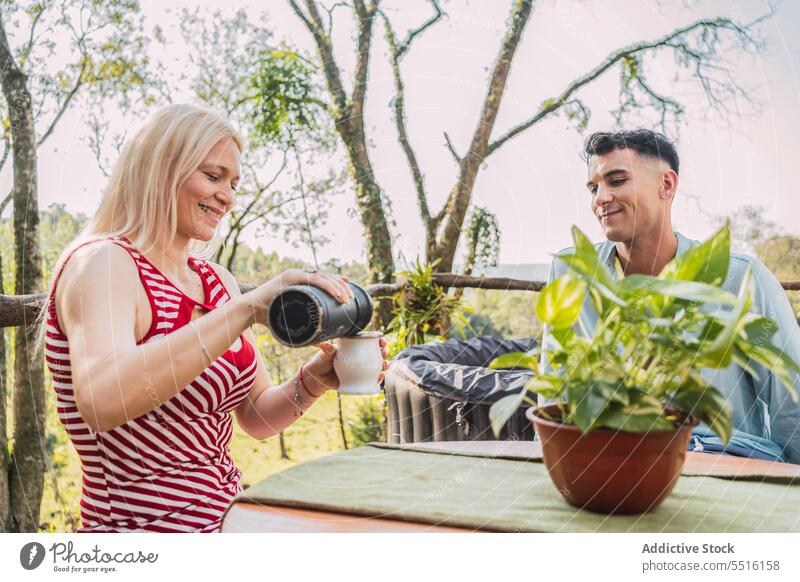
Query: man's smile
[605,215]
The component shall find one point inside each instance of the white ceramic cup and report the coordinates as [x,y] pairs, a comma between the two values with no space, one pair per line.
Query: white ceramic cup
[358,363]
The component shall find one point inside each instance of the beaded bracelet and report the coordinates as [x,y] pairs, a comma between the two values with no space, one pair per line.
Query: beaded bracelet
[300,376]
[298,399]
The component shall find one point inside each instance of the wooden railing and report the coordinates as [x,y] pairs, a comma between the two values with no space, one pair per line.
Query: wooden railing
[18,310]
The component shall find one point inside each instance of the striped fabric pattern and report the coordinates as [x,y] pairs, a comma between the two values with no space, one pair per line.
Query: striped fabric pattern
[169,470]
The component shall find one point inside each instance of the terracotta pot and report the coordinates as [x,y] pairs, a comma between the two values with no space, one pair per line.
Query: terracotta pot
[609,471]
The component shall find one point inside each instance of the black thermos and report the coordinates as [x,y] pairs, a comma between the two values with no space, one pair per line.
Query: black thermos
[305,314]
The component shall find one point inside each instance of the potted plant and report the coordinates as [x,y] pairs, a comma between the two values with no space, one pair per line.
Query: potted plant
[628,396]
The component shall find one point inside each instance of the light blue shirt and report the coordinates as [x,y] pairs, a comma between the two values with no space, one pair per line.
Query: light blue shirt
[765,419]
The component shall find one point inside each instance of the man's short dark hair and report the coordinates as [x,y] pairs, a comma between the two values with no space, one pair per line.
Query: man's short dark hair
[644,142]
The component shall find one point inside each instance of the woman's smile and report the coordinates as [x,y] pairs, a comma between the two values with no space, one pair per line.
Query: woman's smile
[211,214]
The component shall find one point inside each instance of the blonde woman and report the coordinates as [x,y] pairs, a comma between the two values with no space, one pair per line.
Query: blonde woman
[149,345]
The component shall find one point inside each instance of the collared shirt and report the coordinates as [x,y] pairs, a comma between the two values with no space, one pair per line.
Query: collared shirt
[765,419]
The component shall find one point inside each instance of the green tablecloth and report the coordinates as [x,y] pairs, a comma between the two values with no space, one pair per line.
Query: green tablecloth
[511,495]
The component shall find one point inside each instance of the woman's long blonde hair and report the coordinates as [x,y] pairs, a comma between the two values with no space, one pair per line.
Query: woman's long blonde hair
[140,201]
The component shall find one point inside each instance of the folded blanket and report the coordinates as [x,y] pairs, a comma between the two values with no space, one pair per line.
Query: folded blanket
[511,495]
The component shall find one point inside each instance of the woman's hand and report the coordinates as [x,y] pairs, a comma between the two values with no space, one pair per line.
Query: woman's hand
[264,294]
[318,372]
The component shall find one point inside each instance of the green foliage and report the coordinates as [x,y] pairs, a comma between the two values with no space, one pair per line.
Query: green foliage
[483,240]
[60,505]
[753,232]
[314,435]
[781,255]
[269,94]
[421,309]
[560,303]
[500,313]
[287,100]
[370,421]
[653,337]
[82,48]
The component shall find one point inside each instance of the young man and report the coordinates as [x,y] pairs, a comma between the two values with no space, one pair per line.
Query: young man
[632,180]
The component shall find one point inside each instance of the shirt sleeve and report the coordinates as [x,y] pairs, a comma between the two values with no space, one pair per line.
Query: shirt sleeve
[770,300]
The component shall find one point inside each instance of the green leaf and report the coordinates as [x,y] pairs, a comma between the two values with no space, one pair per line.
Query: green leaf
[546,386]
[585,262]
[744,361]
[504,409]
[618,269]
[696,396]
[774,360]
[587,259]
[705,263]
[633,419]
[516,360]
[613,392]
[586,405]
[687,290]
[560,303]
[719,352]
[758,329]
[563,336]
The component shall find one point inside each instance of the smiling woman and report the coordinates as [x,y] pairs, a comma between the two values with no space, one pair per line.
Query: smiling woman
[149,344]
[207,194]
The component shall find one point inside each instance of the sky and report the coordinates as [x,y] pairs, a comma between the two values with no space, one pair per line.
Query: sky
[535,183]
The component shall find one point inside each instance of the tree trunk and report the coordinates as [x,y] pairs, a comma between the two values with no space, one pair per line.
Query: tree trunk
[347,113]
[341,421]
[282,442]
[276,361]
[5,501]
[444,245]
[370,205]
[27,458]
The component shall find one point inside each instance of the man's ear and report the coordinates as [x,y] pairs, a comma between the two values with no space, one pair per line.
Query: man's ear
[669,184]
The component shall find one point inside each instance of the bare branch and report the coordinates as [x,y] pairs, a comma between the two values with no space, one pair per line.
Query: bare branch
[330,12]
[452,148]
[64,104]
[459,198]
[24,56]
[8,66]
[361,9]
[259,192]
[96,139]
[675,40]
[9,197]
[301,15]
[366,18]
[6,149]
[396,53]
[333,77]
[438,14]
[578,112]
[665,105]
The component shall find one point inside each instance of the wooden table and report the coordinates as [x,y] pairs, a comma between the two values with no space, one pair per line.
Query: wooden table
[249,517]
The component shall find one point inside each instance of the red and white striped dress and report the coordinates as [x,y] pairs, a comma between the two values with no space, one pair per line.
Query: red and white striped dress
[169,470]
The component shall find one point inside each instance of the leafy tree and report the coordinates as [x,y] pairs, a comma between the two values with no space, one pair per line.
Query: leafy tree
[750,227]
[104,45]
[500,313]
[269,94]
[700,49]
[753,232]
[781,255]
